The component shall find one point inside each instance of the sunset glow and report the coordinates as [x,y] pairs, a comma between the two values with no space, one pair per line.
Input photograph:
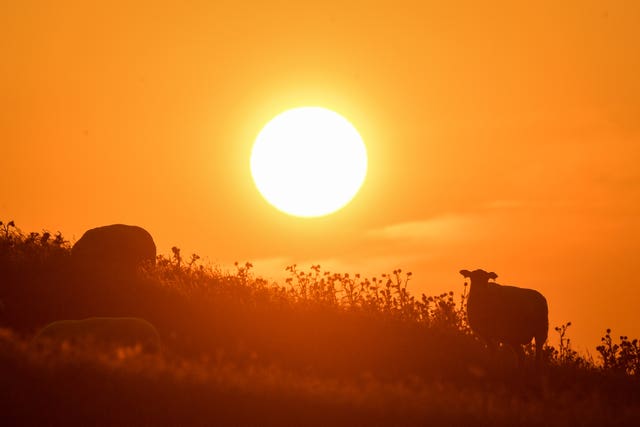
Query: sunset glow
[309,161]
[320,213]
[433,137]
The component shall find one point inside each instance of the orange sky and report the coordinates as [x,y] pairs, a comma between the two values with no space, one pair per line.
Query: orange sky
[500,136]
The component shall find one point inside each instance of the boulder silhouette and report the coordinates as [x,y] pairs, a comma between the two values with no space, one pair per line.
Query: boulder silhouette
[115,248]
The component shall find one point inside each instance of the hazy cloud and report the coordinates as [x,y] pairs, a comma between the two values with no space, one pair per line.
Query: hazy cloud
[448,227]
[506,204]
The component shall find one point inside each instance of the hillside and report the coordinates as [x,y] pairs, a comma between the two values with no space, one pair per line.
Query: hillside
[320,349]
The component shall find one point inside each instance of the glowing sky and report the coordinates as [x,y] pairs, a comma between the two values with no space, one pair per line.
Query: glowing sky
[500,136]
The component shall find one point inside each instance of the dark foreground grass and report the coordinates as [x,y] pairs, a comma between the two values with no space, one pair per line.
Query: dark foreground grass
[321,349]
[72,387]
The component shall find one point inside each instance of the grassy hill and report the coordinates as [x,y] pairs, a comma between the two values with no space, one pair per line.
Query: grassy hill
[320,349]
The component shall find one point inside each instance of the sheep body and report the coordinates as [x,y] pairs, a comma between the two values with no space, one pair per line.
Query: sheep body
[506,314]
[113,249]
[103,332]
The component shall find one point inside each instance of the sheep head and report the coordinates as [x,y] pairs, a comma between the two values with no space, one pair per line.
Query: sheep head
[479,277]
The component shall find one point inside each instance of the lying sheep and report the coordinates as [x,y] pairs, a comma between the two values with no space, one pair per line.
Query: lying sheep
[103,333]
[506,314]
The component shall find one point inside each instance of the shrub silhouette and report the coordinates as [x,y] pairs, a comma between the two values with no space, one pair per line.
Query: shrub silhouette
[622,357]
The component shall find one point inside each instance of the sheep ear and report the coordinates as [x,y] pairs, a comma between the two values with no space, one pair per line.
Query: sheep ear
[493,275]
[465,273]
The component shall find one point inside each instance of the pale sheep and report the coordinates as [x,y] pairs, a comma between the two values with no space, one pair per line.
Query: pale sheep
[102,333]
[506,314]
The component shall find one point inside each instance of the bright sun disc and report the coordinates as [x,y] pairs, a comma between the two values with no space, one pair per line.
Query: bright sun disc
[308,161]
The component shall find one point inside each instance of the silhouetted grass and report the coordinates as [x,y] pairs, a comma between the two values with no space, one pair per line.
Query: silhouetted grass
[320,349]
[126,388]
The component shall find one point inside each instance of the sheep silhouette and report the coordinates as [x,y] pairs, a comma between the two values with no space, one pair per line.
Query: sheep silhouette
[114,249]
[102,333]
[506,314]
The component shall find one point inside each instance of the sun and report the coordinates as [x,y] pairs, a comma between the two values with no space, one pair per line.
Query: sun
[308,162]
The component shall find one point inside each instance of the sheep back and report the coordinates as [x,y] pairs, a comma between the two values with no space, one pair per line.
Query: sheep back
[115,249]
[103,332]
[508,314]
